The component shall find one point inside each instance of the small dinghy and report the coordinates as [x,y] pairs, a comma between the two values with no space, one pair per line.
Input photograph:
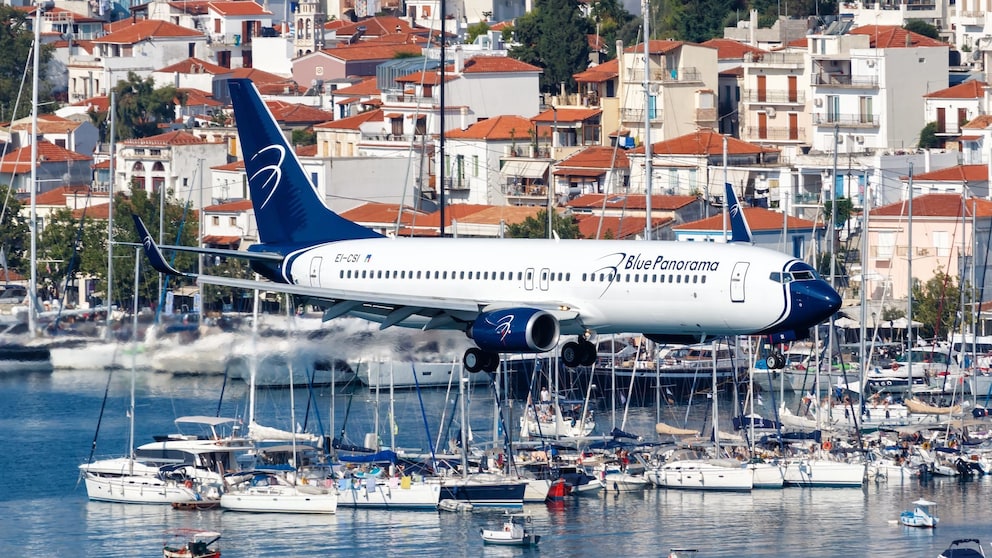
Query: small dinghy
[964,548]
[516,531]
[923,515]
[191,543]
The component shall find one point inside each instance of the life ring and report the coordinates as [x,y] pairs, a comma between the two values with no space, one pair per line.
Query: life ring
[827,445]
[926,445]
[189,483]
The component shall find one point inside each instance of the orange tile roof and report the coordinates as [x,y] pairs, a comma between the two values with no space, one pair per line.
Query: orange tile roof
[496,214]
[597,157]
[758,218]
[19,160]
[234,8]
[49,124]
[893,36]
[980,122]
[99,104]
[306,151]
[178,137]
[58,196]
[145,29]
[617,228]
[291,113]
[429,77]
[634,202]
[363,88]
[353,122]
[105,164]
[360,52]
[235,206]
[957,173]
[597,74]
[235,166]
[260,77]
[655,46]
[99,212]
[703,142]
[377,26]
[383,213]
[457,211]
[497,64]
[729,49]
[936,205]
[971,89]
[198,97]
[195,66]
[498,128]
[567,115]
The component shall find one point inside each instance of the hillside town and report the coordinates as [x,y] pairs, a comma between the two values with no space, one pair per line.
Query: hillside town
[780,113]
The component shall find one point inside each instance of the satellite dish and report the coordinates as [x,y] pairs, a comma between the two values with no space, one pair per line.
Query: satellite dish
[770,111]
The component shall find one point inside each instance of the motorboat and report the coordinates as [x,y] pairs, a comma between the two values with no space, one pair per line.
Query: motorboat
[963,548]
[545,420]
[264,491]
[923,514]
[703,474]
[516,531]
[191,543]
[388,493]
[624,482]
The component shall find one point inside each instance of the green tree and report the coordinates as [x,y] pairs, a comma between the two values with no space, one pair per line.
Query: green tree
[921,27]
[936,303]
[71,247]
[845,207]
[304,137]
[537,227]
[553,36]
[15,237]
[614,22]
[141,108]
[928,136]
[476,29]
[16,38]
[697,21]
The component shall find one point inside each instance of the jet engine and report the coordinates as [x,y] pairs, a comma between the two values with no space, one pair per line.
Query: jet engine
[515,330]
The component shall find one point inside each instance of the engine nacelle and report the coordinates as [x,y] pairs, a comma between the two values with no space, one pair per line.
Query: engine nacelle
[515,330]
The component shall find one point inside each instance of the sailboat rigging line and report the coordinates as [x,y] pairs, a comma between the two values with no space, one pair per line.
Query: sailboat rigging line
[99,420]
[347,412]
[223,387]
[423,413]
[172,258]
[507,441]
[73,259]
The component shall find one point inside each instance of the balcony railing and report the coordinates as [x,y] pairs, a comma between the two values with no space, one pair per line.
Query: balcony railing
[846,120]
[776,134]
[846,80]
[637,115]
[775,96]
[672,75]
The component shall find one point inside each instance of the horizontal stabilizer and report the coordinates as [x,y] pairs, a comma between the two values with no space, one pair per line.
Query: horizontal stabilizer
[152,251]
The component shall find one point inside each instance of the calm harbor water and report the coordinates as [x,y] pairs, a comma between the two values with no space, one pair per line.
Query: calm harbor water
[49,422]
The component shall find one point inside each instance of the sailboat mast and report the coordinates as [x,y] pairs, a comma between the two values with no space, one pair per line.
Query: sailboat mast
[909,285]
[648,171]
[33,287]
[108,298]
[134,358]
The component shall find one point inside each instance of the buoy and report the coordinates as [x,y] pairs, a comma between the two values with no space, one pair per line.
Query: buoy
[827,445]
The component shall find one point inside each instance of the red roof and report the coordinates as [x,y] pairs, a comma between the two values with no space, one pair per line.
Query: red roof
[195,66]
[497,64]
[291,113]
[352,122]
[360,52]
[219,239]
[145,29]
[363,88]
[957,173]
[18,161]
[703,142]
[598,158]
[383,213]
[971,89]
[758,218]
[505,128]
[597,74]
[655,46]
[567,115]
[634,202]
[617,228]
[729,49]
[235,206]
[178,137]
[238,165]
[893,36]
[57,196]
[936,205]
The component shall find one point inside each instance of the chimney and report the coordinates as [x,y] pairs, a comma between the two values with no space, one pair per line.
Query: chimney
[459,60]
[464,118]
[752,29]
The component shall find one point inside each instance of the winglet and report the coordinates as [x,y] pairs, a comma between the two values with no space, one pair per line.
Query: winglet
[153,252]
[739,229]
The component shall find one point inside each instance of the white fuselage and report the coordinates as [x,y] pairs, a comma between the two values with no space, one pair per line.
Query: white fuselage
[616,286]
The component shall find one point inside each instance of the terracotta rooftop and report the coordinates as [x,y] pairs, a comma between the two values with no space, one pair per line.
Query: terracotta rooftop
[632,202]
[971,89]
[178,137]
[957,173]
[58,196]
[99,211]
[980,122]
[597,74]
[703,142]
[235,206]
[18,161]
[238,165]
[729,49]
[497,64]
[195,66]
[99,104]
[617,228]
[360,52]
[758,218]
[655,46]
[597,157]
[383,213]
[352,122]
[498,128]
[199,98]
[291,113]
[145,29]
[363,88]
[48,124]
[378,26]
[567,115]
[496,214]
[893,36]
[936,205]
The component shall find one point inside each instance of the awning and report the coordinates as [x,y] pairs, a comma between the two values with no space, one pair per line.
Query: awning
[525,169]
[393,115]
[587,173]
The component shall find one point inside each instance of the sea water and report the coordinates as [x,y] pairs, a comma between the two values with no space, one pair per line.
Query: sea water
[49,423]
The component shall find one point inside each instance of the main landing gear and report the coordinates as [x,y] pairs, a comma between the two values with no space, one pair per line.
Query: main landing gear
[775,361]
[573,353]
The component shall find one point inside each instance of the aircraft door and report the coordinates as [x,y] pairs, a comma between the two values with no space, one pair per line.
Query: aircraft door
[737,282]
[529,279]
[544,278]
[315,271]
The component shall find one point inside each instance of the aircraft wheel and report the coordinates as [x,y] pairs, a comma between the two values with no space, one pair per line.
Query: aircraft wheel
[474,359]
[771,361]
[571,354]
[490,362]
[588,353]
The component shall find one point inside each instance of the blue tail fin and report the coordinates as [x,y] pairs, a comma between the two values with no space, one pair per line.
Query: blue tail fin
[739,229]
[288,209]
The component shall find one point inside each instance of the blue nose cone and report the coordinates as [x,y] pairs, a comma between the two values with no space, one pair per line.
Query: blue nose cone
[814,302]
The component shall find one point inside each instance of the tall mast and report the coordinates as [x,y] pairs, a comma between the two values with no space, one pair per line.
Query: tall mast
[33,285]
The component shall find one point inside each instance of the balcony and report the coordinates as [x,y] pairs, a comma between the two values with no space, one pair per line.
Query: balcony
[778,134]
[674,75]
[845,120]
[846,80]
[637,115]
[775,97]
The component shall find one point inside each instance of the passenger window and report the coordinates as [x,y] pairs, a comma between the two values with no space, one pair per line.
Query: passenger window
[342,274]
[568,277]
[678,278]
[702,279]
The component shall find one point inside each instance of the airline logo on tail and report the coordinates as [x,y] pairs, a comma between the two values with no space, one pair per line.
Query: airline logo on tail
[271,182]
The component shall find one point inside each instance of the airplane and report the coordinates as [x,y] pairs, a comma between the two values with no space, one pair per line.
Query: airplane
[507,295]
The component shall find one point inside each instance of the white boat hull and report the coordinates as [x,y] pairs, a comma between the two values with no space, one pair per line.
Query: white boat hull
[399,374]
[279,499]
[822,472]
[700,475]
[393,493]
[136,490]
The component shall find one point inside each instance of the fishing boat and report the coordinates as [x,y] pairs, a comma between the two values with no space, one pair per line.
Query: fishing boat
[922,515]
[516,531]
[963,548]
[191,543]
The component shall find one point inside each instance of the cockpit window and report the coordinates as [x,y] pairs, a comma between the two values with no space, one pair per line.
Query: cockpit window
[803,275]
[783,278]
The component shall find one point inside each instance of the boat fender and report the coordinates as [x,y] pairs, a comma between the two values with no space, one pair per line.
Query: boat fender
[827,445]
[189,483]
[926,445]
